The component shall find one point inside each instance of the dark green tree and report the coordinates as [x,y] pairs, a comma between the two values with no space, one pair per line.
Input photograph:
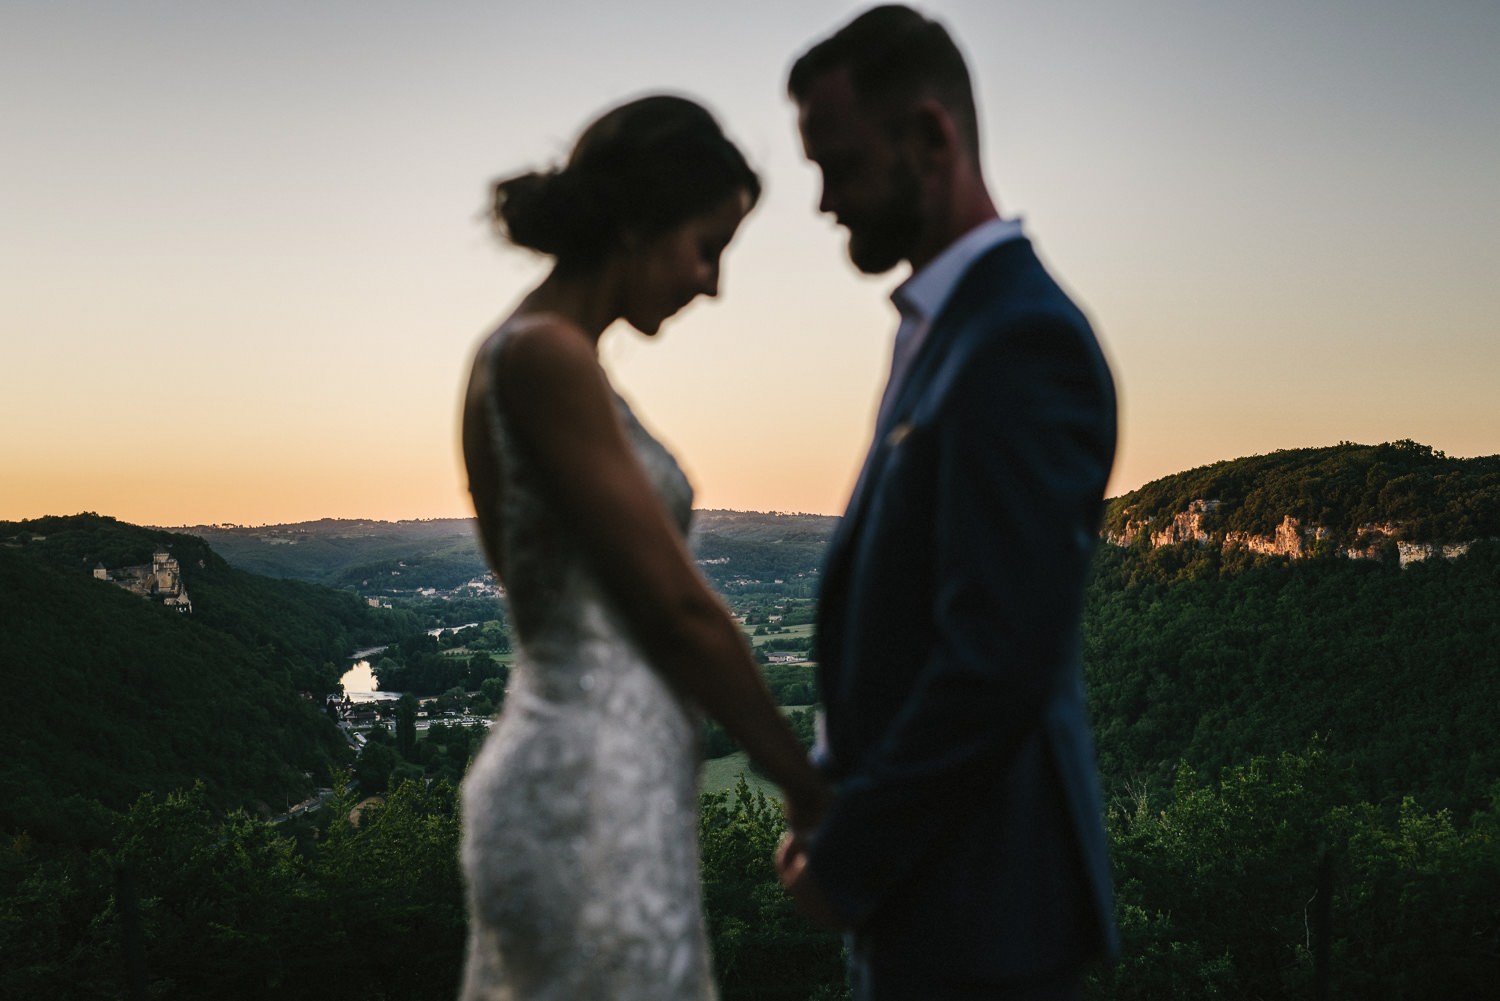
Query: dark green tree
[763,950]
[494,690]
[205,906]
[397,929]
[374,767]
[406,726]
[1271,882]
[482,668]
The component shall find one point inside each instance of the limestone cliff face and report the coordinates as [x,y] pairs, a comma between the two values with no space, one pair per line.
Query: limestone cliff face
[1290,538]
[1416,552]
[1186,526]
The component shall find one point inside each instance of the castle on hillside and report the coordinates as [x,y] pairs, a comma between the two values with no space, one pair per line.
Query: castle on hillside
[160,581]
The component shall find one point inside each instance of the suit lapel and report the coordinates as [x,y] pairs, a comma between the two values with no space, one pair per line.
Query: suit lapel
[978,283]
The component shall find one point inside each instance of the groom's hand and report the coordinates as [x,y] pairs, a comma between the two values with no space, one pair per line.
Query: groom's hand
[805,812]
[802,886]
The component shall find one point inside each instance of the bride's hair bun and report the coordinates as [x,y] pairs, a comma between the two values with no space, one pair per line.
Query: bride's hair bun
[644,167]
[548,211]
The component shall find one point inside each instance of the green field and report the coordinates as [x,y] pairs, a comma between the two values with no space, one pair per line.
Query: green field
[786,632]
[721,774]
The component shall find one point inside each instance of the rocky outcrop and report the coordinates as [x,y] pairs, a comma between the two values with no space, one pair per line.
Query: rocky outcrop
[1371,540]
[1290,538]
[1416,552]
[1186,526]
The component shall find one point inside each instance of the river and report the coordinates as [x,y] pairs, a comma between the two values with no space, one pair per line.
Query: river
[359,681]
[360,685]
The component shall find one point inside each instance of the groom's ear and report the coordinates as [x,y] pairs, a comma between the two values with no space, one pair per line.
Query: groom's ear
[934,133]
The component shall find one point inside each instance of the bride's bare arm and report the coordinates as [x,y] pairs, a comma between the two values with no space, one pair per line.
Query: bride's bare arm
[480,461]
[558,402]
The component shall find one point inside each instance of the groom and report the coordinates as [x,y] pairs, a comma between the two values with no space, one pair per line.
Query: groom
[964,851]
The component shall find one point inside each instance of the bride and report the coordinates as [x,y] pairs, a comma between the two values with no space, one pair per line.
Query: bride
[580,811]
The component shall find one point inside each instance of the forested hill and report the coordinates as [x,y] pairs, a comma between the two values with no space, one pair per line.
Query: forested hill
[1219,633]
[116,694]
[1344,496]
[736,546]
[343,552]
[443,553]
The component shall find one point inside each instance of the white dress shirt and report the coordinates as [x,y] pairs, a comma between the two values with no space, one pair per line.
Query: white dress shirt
[921,297]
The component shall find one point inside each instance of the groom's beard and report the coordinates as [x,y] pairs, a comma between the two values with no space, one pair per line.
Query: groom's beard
[883,238]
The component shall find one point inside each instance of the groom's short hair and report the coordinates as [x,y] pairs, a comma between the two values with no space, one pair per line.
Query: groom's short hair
[893,53]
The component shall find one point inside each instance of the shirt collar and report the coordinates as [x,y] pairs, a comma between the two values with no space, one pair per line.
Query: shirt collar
[922,295]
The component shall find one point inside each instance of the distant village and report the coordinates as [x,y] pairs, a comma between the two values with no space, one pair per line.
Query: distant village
[161,580]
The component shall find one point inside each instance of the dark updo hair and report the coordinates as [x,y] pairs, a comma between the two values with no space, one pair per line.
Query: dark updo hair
[644,167]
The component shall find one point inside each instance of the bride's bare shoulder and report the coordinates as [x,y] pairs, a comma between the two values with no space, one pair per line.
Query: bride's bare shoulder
[537,365]
[527,342]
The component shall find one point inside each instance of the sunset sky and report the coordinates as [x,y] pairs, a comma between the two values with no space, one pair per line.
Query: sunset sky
[242,263]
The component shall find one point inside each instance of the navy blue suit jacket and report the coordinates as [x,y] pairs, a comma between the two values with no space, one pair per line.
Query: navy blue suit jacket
[967,834]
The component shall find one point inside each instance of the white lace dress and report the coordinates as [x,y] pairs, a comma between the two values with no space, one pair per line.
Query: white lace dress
[580,811]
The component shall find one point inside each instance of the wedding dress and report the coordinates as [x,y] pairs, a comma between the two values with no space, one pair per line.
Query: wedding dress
[580,811]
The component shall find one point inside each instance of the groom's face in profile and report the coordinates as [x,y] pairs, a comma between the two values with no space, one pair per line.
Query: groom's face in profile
[870,186]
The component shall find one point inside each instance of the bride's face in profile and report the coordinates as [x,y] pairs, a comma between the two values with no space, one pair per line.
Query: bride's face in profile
[665,273]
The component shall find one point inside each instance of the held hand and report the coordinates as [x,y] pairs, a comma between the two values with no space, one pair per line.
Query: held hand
[802,886]
[790,846]
[804,809]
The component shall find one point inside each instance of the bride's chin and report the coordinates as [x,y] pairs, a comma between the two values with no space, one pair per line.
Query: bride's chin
[649,326]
